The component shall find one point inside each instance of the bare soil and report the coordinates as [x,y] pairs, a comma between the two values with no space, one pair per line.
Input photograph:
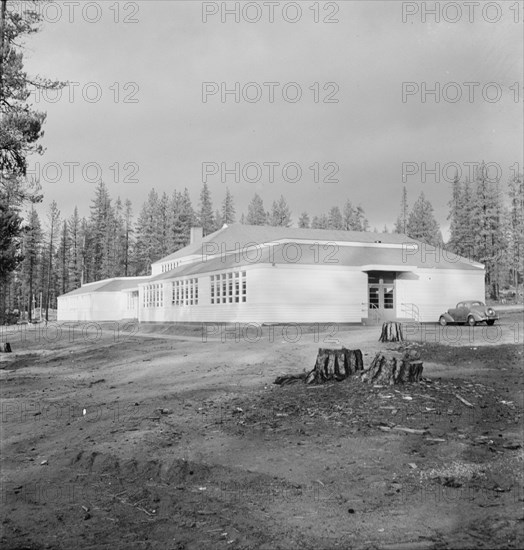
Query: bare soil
[169,437]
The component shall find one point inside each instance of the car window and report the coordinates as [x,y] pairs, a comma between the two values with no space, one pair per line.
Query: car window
[460,304]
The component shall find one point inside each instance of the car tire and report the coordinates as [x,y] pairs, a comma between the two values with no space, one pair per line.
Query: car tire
[471,321]
[490,322]
[442,321]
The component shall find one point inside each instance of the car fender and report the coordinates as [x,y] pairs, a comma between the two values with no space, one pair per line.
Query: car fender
[448,317]
[476,315]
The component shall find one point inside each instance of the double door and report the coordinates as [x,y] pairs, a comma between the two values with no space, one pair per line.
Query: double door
[381,294]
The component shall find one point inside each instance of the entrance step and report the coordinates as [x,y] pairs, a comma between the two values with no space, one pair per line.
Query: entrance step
[371,321]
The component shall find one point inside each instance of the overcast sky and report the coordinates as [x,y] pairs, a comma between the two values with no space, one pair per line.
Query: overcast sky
[162,60]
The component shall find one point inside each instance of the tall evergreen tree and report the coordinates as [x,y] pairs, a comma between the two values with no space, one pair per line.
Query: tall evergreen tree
[256,214]
[63,254]
[206,217]
[320,222]
[75,256]
[101,234]
[183,218]
[335,218]
[348,216]
[488,228]
[401,225]
[32,243]
[228,209]
[53,218]
[303,221]
[148,238]
[280,213]
[422,224]
[516,229]
[164,225]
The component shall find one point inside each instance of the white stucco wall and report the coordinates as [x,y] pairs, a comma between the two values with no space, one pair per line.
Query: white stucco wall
[433,291]
[285,293]
[93,306]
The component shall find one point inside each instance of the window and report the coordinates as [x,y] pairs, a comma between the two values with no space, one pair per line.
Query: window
[185,292]
[153,295]
[228,288]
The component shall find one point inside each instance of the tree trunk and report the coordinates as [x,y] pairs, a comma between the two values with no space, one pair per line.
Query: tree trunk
[335,364]
[391,332]
[393,370]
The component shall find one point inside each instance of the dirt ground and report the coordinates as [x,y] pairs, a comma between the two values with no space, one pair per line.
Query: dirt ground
[127,437]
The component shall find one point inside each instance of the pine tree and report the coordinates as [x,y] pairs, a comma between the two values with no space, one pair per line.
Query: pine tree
[516,229]
[148,235]
[75,256]
[488,228]
[206,218]
[320,222]
[63,254]
[256,214]
[164,225]
[401,225]
[361,222]
[183,218]
[335,220]
[53,218]
[422,224]
[303,221]
[280,213]
[32,243]
[218,220]
[101,234]
[228,210]
[348,216]
[127,238]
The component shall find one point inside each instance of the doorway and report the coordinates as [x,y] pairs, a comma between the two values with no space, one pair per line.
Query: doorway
[381,294]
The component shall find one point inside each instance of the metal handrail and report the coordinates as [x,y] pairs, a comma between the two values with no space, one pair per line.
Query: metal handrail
[374,308]
[411,310]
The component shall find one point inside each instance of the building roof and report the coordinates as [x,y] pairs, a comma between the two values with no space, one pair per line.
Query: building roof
[370,258]
[108,285]
[240,235]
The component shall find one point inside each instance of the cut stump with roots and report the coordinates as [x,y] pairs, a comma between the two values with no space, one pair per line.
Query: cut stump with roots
[393,370]
[335,364]
[391,332]
[331,365]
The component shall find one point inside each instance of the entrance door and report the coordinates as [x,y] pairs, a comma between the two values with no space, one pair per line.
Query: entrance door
[381,294]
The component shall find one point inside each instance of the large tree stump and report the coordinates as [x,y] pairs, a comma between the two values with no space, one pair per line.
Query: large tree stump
[335,364]
[391,332]
[393,370]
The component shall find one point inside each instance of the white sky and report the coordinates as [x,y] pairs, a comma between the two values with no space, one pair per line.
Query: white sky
[169,52]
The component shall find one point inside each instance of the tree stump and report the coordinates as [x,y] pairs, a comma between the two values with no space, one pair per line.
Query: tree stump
[6,348]
[393,370]
[391,332]
[335,364]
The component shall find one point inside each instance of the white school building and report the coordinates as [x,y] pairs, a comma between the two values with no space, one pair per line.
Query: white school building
[260,274]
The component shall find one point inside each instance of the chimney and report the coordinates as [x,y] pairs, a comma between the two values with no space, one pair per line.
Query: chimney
[196,235]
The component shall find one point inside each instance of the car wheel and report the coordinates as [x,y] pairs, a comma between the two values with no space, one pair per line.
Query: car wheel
[443,321]
[490,322]
[471,321]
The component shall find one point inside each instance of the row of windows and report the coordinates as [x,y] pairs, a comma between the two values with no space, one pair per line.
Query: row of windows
[226,288]
[154,295]
[229,288]
[185,293]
